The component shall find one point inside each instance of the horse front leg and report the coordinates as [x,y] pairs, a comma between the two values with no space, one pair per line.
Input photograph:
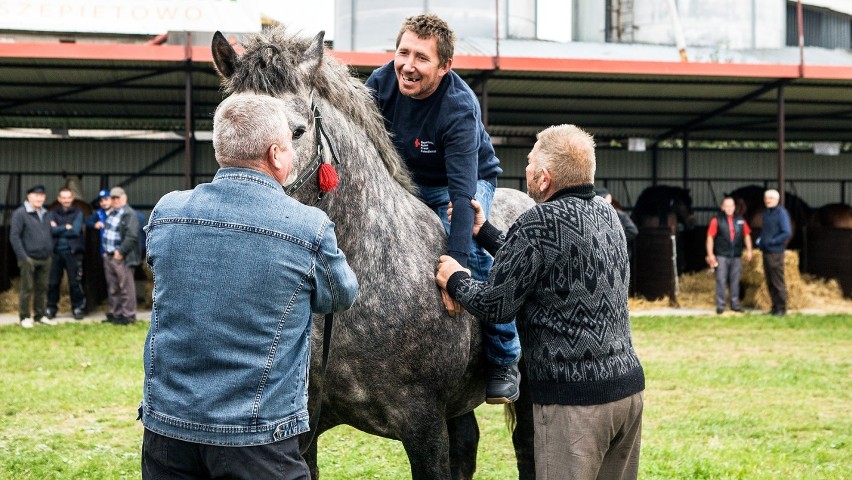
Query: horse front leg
[464,440]
[523,437]
[427,445]
[310,454]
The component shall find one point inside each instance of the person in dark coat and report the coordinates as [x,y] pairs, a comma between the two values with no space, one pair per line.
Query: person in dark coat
[66,227]
[31,240]
[436,126]
[773,242]
[121,254]
[630,230]
[562,270]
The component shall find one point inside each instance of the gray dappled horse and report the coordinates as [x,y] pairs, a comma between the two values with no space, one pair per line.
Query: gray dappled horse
[399,366]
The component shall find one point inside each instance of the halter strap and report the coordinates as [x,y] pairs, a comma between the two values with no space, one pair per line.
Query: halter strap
[319,158]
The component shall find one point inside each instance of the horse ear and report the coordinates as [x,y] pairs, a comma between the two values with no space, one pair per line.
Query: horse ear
[224,56]
[312,58]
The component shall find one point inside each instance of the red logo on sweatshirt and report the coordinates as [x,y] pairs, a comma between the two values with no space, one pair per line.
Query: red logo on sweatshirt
[416,143]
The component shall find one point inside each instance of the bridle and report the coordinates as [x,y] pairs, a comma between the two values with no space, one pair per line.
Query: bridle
[303,177]
[318,159]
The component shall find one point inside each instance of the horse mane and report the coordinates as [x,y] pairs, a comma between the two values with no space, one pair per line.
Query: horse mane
[271,66]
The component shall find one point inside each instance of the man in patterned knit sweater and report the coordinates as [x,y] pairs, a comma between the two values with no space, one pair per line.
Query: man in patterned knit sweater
[562,270]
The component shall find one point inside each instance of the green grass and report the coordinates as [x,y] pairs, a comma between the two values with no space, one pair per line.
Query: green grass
[750,397]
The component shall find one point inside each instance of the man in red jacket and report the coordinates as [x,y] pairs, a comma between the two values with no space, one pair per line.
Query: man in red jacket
[727,234]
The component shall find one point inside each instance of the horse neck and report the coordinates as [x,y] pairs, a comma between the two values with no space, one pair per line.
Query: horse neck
[369,200]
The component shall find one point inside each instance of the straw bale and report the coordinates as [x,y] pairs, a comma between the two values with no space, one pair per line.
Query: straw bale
[9,298]
[804,292]
[755,291]
[642,303]
[697,290]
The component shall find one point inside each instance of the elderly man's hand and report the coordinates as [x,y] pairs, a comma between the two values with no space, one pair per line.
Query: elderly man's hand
[446,267]
[478,215]
[453,307]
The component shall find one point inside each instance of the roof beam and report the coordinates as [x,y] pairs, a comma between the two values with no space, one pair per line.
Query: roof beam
[724,108]
[86,88]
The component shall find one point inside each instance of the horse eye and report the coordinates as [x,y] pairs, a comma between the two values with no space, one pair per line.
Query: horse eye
[297,133]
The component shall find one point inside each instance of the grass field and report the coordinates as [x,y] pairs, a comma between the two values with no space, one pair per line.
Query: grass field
[727,398]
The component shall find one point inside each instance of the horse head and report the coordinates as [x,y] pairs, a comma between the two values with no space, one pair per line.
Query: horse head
[331,112]
[663,205]
[835,215]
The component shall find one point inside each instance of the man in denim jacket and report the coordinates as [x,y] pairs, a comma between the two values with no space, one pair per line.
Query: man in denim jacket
[239,267]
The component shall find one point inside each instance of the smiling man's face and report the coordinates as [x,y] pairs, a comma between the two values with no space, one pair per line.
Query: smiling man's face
[417,65]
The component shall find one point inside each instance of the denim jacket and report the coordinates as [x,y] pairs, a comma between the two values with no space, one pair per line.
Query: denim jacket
[238,268]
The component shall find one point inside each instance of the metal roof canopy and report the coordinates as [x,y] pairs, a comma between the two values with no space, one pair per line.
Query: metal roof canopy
[154,87]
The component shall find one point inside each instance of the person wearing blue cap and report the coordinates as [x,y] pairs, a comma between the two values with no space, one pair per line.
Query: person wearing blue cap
[33,245]
[98,217]
[97,221]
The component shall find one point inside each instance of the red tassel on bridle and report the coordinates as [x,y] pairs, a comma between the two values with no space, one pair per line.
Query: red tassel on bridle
[327,177]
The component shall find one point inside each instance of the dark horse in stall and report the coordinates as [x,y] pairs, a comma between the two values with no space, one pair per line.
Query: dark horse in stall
[399,366]
[835,215]
[664,206]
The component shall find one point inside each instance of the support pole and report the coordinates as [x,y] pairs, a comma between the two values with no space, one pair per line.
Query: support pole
[685,151]
[654,163]
[484,105]
[801,28]
[781,129]
[189,126]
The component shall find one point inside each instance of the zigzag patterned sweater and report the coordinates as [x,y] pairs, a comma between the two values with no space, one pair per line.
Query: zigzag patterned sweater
[562,270]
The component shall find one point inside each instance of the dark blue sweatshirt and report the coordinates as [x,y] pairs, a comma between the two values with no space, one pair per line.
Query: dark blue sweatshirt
[443,142]
[776,230]
[67,240]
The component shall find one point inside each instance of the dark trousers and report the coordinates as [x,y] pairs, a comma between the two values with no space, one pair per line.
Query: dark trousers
[773,267]
[164,457]
[73,264]
[121,286]
[728,275]
[33,286]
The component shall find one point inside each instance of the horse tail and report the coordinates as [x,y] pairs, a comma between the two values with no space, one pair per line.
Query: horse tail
[511,416]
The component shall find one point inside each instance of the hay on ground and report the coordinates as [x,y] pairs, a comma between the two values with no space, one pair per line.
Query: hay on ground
[804,292]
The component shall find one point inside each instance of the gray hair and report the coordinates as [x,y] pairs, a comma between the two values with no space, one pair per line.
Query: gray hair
[245,126]
[568,153]
[772,193]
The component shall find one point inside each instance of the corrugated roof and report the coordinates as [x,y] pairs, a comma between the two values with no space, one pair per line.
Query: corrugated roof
[530,86]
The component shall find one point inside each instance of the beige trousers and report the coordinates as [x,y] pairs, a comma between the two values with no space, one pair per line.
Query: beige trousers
[588,442]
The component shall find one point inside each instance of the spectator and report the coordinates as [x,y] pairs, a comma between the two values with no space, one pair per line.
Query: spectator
[121,254]
[225,391]
[773,242]
[31,240]
[437,129]
[562,269]
[66,226]
[97,220]
[630,230]
[727,234]
[95,274]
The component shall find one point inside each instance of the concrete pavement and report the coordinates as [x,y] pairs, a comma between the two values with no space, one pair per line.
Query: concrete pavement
[66,317]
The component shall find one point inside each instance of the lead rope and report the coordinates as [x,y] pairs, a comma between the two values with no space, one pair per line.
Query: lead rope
[326,343]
